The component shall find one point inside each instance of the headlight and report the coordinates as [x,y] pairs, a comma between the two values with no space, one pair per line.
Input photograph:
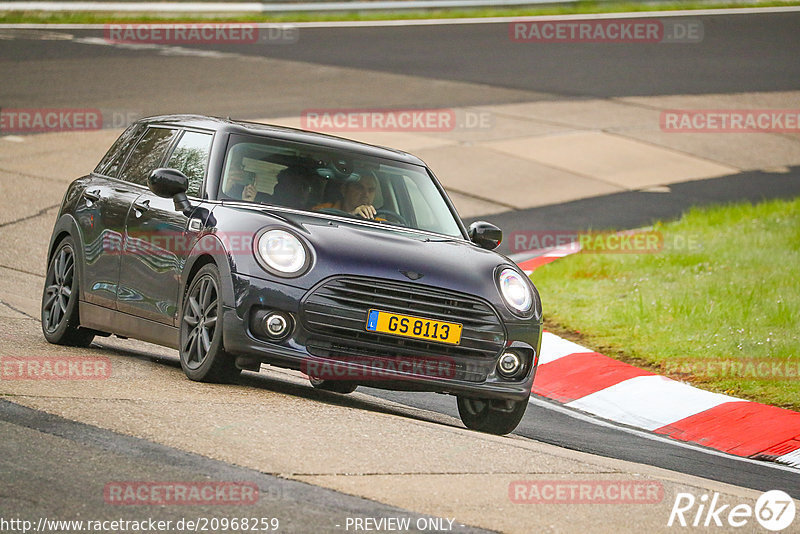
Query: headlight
[515,290]
[282,253]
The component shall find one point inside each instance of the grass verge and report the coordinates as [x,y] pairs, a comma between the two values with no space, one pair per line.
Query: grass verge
[718,306]
[582,7]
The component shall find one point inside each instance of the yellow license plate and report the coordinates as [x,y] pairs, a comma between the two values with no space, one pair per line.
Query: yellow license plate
[416,327]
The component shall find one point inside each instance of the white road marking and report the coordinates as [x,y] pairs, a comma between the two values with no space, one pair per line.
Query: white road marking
[554,347]
[791,458]
[164,50]
[552,405]
[265,7]
[649,402]
[458,21]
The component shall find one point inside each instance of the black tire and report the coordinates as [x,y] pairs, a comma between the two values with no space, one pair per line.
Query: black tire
[492,417]
[203,357]
[59,310]
[337,386]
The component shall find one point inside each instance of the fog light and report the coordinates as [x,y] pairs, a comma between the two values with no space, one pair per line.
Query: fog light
[276,325]
[509,365]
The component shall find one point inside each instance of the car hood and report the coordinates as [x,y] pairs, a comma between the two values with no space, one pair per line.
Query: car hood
[342,247]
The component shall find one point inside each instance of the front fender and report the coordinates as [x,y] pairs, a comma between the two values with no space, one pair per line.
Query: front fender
[67,225]
[210,246]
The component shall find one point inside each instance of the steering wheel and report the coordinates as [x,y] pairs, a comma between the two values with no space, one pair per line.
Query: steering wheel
[392,216]
[388,215]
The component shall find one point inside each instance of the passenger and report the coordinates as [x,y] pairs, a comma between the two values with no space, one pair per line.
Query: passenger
[357,196]
[293,189]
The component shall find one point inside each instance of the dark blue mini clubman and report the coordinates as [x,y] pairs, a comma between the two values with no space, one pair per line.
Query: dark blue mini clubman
[240,244]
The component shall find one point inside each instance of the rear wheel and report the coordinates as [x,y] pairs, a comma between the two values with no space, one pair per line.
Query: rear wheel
[337,386]
[60,320]
[203,357]
[491,416]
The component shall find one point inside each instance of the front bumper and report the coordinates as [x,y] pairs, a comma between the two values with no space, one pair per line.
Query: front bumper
[254,293]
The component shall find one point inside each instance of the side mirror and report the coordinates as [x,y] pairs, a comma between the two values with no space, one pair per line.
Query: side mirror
[485,235]
[170,183]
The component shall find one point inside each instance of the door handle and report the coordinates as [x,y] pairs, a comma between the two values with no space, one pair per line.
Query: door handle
[141,207]
[92,195]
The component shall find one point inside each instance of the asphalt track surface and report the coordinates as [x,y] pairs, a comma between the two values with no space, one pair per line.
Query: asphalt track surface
[727,61]
[557,427]
[637,209]
[65,458]
[507,72]
[739,53]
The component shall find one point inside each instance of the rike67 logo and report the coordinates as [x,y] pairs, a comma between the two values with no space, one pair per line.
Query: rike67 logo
[774,510]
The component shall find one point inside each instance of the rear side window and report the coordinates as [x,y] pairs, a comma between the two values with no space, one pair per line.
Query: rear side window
[115,157]
[191,158]
[148,155]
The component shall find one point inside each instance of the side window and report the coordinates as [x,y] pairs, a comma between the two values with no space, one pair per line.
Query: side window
[191,158]
[148,154]
[115,157]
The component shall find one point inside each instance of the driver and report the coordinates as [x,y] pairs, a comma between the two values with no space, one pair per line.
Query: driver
[357,198]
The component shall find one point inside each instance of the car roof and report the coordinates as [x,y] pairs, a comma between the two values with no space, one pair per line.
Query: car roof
[281,132]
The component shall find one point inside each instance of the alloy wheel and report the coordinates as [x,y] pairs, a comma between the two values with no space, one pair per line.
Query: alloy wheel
[59,289]
[200,317]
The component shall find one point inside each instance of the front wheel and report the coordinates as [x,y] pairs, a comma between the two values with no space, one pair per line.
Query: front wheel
[491,416]
[60,321]
[203,357]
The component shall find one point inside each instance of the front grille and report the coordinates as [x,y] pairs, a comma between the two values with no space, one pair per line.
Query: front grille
[336,312]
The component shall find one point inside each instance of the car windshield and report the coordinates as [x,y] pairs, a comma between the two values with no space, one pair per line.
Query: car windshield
[334,182]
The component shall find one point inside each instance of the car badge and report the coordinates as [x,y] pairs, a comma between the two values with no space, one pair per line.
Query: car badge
[412,275]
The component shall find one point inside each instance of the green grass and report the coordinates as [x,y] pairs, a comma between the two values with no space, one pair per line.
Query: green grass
[15,17]
[724,290]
